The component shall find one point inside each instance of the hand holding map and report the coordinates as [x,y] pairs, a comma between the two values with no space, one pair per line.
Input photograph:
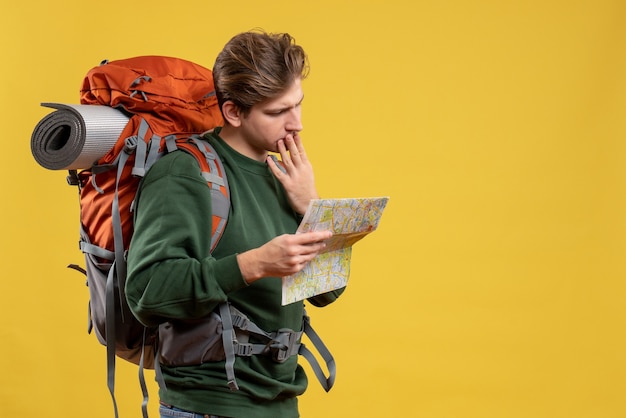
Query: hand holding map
[350,220]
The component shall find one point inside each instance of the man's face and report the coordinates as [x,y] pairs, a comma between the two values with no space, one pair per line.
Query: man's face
[272,120]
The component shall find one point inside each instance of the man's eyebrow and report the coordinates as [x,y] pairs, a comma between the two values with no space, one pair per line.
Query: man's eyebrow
[280,108]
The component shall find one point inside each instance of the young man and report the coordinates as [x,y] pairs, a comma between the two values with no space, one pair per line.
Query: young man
[175,279]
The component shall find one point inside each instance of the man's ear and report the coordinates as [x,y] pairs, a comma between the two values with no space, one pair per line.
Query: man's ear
[232,114]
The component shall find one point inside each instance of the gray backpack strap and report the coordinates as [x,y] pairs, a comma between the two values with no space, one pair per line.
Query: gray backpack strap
[117,274]
[97,169]
[89,248]
[110,333]
[326,382]
[157,367]
[140,149]
[153,151]
[145,155]
[211,157]
[280,345]
[142,379]
[220,204]
[118,237]
[170,143]
[241,321]
[228,339]
[232,330]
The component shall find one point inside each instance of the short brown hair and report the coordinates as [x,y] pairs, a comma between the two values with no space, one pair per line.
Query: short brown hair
[255,66]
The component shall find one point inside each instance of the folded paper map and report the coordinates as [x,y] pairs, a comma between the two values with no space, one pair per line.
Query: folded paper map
[350,220]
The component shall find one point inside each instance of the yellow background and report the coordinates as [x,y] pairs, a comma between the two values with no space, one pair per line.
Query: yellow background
[495,285]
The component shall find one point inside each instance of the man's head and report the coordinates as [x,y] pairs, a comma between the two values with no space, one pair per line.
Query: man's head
[256,66]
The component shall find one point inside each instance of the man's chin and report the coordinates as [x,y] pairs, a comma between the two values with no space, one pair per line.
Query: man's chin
[275,146]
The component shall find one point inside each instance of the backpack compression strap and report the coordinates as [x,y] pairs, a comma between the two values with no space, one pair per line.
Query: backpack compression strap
[326,382]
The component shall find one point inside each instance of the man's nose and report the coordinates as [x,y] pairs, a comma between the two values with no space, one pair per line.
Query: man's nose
[294,124]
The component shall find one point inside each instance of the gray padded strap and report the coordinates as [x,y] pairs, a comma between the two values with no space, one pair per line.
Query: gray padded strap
[218,232]
[220,204]
[211,158]
[213,178]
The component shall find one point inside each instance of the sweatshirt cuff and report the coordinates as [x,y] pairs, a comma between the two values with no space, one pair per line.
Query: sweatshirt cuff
[228,275]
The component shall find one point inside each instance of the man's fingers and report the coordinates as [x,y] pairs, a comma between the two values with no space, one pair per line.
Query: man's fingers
[295,148]
[314,237]
[299,147]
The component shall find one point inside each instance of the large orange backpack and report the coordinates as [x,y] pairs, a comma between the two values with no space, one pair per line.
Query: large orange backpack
[170,102]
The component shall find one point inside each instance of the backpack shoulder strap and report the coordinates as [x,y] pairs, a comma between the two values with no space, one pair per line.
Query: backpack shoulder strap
[213,172]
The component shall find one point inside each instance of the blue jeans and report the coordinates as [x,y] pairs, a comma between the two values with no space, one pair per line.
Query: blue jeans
[167,411]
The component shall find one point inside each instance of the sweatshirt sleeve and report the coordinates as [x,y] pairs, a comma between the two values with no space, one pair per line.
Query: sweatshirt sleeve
[171,273]
[327,298]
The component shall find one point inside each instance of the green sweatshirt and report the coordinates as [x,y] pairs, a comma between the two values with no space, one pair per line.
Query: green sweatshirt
[173,276]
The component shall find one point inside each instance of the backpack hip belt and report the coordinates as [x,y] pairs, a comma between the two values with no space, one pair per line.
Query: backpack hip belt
[224,336]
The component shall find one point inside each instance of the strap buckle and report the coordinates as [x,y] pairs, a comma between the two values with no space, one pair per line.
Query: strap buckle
[241,349]
[284,344]
[130,144]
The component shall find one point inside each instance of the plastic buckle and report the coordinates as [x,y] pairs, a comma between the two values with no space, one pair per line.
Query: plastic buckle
[240,322]
[280,345]
[130,144]
[279,353]
[243,350]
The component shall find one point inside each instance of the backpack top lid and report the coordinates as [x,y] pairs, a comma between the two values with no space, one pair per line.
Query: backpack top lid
[174,95]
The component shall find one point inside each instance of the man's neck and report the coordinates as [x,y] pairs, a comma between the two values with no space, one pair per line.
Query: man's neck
[232,136]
